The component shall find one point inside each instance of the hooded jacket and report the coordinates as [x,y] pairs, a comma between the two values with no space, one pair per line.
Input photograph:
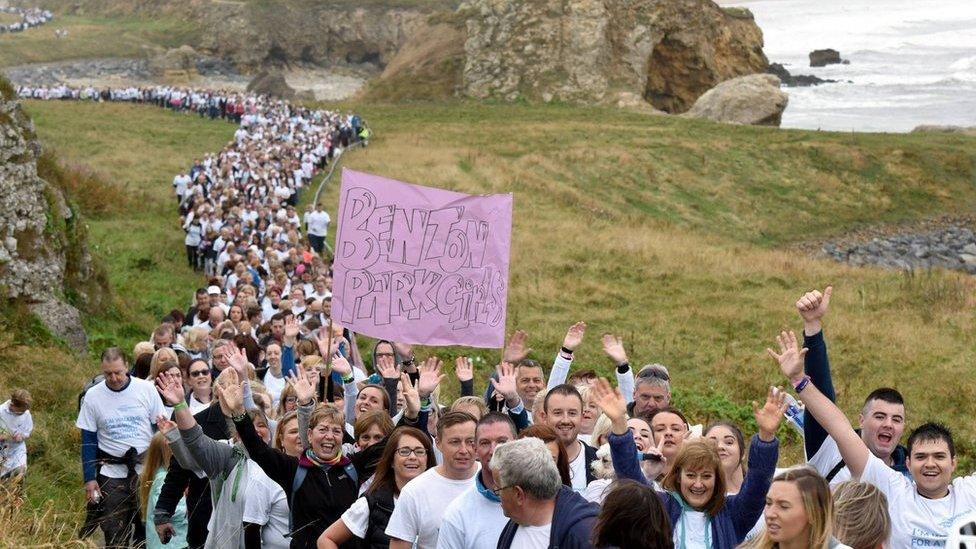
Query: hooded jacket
[572,523]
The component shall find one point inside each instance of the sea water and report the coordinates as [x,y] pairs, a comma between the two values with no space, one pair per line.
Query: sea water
[912,62]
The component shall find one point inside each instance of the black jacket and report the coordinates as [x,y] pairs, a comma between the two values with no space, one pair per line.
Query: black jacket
[197,490]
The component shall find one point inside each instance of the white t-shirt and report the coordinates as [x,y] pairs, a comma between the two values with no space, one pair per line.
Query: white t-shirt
[597,490]
[532,537]
[196,406]
[472,521]
[577,470]
[274,385]
[356,517]
[265,504]
[417,515]
[826,458]
[13,454]
[693,523]
[122,419]
[917,521]
[318,223]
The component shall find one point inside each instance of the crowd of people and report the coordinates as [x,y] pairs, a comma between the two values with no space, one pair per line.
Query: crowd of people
[283,434]
[254,419]
[29,18]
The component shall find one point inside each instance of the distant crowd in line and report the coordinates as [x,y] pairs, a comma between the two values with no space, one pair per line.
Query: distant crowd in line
[29,18]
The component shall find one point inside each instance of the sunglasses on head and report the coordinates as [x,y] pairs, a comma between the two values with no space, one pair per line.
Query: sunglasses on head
[653,374]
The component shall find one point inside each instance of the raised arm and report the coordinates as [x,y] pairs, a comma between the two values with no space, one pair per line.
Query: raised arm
[790,359]
[747,506]
[465,375]
[623,449]
[812,307]
[564,358]
[506,386]
[614,348]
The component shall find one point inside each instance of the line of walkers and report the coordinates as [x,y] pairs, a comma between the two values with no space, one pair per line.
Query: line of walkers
[294,439]
[29,18]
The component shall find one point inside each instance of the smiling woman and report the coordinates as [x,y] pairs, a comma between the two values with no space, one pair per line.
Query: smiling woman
[799,512]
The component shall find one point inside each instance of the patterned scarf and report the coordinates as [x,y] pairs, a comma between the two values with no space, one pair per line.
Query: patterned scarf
[324,463]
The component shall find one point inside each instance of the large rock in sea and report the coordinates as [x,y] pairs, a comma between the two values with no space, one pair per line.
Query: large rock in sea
[668,52]
[36,229]
[755,99]
[822,58]
[272,84]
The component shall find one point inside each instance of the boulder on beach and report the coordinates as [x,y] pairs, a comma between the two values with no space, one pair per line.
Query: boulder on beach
[822,58]
[755,99]
[272,84]
[183,58]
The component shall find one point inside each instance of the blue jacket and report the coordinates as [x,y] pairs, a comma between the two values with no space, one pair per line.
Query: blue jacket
[817,366]
[740,512]
[572,523]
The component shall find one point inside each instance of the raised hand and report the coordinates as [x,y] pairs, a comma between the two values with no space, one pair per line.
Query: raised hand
[403,350]
[770,415]
[614,348]
[324,342]
[386,367]
[812,307]
[612,403]
[164,424]
[430,376]
[790,356]
[463,369]
[304,391]
[410,396]
[170,390]
[230,393]
[656,466]
[574,336]
[238,360]
[292,328]
[340,365]
[505,384]
[515,349]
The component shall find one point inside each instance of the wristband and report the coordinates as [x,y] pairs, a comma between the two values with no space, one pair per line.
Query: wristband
[567,351]
[425,402]
[348,378]
[407,362]
[180,405]
[802,384]
[623,367]
[240,417]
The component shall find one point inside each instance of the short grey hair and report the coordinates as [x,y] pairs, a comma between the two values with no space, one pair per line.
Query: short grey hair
[527,463]
[655,375]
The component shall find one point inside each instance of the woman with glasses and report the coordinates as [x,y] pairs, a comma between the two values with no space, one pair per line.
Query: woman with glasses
[200,383]
[408,453]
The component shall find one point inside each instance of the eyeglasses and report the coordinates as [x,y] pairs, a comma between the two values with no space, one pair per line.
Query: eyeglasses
[406,451]
[200,373]
[291,400]
[498,491]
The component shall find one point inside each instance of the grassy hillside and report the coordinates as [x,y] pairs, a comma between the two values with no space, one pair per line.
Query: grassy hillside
[94,36]
[675,234]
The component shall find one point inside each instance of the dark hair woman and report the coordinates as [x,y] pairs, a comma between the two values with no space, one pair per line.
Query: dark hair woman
[632,516]
[408,453]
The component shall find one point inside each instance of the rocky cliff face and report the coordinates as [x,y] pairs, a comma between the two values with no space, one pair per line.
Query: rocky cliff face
[261,34]
[38,244]
[592,51]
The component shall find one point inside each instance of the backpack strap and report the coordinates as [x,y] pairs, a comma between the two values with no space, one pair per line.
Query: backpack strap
[296,483]
[351,471]
[833,472]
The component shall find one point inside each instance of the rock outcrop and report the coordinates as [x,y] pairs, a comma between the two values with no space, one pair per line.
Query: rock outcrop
[949,247]
[795,80]
[668,52]
[272,84]
[755,99]
[36,235]
[182,59]
[822,58]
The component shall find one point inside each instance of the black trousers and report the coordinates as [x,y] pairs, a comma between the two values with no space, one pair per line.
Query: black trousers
[121,522]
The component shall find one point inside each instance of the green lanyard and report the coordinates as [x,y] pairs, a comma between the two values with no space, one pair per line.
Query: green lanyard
[239,467]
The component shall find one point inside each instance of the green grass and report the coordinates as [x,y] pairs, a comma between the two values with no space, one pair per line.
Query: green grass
[93,37]
[677,235]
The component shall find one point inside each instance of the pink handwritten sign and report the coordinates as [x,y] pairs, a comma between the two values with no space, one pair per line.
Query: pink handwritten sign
[421,265]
